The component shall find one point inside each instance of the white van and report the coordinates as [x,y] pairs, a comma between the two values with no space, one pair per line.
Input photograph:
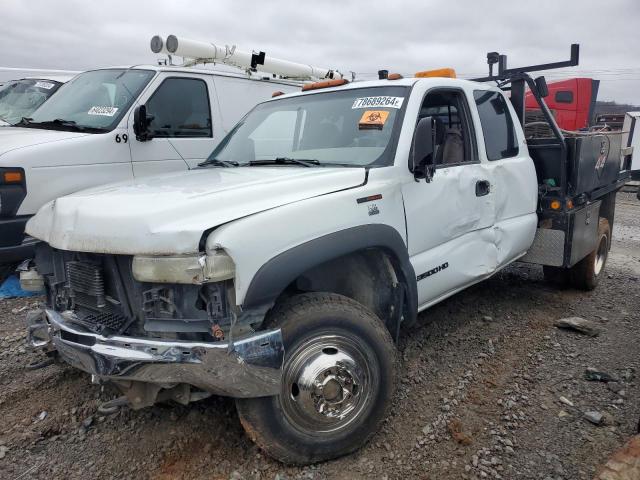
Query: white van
[20,98]
[84,135]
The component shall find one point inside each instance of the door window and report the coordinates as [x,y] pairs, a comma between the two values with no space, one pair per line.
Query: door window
[497,125]
[180,108]
[454,143]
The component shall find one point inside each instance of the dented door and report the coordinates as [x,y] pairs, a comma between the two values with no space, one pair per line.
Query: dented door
[449,229]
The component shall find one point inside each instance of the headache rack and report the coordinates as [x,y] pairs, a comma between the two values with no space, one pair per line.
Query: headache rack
[578,172]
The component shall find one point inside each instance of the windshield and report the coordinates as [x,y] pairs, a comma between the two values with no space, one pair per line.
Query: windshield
[20,98]
[352,127]
[94,100]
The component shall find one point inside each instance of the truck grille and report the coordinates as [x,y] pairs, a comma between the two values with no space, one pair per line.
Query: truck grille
[86,278]
[93,309]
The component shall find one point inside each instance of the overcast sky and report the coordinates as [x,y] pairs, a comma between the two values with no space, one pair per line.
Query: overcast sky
[360,36]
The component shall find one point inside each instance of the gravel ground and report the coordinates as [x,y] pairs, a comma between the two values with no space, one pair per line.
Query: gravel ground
[490,389]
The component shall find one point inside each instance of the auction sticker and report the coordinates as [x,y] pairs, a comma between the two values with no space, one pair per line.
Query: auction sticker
[373,119]
[103,111]
[378,102]
[45,85]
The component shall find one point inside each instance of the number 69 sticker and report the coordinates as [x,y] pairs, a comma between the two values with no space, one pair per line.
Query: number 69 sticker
[122,139]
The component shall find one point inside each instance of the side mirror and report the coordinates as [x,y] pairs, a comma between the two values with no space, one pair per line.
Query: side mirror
[141,123]
[422,160]
[543,89]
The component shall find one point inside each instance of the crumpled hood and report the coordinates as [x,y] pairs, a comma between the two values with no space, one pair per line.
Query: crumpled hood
[12,138]
[167,214]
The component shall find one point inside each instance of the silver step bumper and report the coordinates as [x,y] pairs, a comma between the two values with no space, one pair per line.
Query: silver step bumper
[247,367]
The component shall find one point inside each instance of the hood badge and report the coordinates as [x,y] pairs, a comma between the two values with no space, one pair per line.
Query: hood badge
[373,208]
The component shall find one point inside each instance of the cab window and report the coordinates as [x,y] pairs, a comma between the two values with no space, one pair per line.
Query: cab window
[497,125]
[180,108]
[454,143]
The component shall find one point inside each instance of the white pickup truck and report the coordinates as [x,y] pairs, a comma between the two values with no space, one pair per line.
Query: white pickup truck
[84,136]
[281,271]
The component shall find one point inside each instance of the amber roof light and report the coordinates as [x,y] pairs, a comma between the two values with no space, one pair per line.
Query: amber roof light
[439,72]
[325,84]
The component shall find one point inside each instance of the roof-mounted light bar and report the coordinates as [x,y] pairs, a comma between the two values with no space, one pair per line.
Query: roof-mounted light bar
[203,52]
[439,72]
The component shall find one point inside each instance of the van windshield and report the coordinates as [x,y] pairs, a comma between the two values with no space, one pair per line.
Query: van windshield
[20,98]
[349,128]
[93,101]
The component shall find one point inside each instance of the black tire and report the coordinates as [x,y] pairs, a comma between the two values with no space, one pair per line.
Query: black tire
[318,329]
[6,269]
[586,274]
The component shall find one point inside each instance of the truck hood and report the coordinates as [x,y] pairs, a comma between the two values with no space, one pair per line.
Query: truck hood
[13,138]
[167,214]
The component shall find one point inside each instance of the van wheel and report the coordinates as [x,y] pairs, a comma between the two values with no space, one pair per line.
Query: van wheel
[5,271]
[586,274]
[338,379]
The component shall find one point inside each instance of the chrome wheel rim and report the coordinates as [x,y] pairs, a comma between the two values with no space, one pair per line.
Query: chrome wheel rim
[327,383]
[601,255]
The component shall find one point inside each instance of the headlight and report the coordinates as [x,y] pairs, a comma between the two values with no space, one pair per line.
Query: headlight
[192,269]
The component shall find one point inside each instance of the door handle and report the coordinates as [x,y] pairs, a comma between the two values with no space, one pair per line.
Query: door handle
[483,187]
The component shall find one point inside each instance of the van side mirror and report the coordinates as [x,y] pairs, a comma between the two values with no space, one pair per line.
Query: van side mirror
[141,123]
[422,161]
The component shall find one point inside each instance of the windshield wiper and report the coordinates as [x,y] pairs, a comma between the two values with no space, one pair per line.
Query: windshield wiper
[56,123]
[219,163]
[305,162]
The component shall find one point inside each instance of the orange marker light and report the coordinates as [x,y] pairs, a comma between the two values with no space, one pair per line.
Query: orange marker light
[12,177]
[569,204]
[394,76]
[276,94]
[439,72]
[325,84]
[555,205]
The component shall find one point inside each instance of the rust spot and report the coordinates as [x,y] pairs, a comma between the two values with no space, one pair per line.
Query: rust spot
[217,332]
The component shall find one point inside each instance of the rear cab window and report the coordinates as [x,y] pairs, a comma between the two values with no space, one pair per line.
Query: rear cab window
[498,129]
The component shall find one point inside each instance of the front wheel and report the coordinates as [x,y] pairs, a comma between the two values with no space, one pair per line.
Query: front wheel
[338,379]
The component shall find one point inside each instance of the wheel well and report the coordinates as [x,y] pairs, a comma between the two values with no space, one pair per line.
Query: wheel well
[370,277]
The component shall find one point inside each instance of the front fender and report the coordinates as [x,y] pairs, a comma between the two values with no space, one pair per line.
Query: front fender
[275,275]
[272,248]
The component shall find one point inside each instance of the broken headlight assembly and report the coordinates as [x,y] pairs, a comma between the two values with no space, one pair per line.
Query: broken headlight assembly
[188,269]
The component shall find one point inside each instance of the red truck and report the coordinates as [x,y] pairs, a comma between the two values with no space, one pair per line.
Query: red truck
[572,101]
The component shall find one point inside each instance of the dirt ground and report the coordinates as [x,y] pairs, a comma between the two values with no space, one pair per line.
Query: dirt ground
[490,389]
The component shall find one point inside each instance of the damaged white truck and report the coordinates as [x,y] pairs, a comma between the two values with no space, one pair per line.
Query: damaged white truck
[281,271]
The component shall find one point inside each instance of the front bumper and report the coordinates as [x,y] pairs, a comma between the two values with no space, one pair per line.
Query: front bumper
[243,368]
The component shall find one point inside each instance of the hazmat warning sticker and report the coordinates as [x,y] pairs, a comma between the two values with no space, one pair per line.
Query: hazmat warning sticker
[373,119]
[380,102]
[103,111]
[45,85]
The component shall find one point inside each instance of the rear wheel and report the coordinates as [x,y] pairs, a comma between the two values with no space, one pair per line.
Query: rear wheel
[587,272]
[338,379]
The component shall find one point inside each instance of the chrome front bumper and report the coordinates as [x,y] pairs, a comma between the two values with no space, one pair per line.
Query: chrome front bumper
[246,367]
